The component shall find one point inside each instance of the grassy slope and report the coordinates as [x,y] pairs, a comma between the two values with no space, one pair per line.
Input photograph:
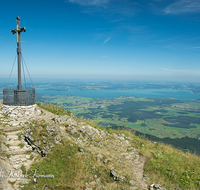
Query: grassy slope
[165,165]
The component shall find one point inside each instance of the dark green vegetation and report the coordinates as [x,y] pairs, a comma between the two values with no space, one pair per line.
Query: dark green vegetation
[70,168]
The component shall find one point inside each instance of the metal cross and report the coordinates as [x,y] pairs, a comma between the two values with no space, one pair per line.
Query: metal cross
[18,31]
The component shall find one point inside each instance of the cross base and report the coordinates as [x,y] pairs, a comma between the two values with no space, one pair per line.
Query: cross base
[20,97]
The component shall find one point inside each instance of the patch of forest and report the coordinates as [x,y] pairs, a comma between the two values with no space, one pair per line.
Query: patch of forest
[183,121]
[133,111]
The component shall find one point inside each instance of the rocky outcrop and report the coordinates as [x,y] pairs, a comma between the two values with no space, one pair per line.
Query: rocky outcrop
[36,144]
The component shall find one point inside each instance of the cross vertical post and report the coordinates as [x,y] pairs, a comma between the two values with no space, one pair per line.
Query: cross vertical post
[18,32]
[19,87]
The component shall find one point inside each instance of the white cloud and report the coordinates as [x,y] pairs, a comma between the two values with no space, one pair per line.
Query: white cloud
[183,6]
[90,2]
[106,40]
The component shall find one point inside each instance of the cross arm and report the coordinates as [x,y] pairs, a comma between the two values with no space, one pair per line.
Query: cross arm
[20,30]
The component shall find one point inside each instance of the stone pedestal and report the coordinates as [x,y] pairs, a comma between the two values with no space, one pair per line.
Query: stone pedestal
[19,111]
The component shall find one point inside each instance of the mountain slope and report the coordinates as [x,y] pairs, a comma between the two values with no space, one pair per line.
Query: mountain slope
[65,152]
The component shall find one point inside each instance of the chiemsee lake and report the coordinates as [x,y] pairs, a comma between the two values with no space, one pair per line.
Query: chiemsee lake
[166,93]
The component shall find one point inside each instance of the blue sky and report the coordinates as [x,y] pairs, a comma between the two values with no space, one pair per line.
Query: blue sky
[109,39]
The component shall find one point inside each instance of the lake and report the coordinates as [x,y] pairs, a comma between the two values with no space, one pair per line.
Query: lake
[167,93]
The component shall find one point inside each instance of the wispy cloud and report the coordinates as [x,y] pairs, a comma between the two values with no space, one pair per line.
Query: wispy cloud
[35,45]
[105,56]
[183,6]
[106,40]
[89,2]
[197,47]
[173,46]
[182,71]
[127,8]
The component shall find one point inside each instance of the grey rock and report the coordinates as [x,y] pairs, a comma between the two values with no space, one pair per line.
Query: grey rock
[115,176]
[98,180]
[157,186]
[33,154]
[68,124]
[54,119]
[99,157]
[162,188]
[121,138]
[106,160]
[50,129]
[44,137]
[51,145]
[80,150]
[47,149]
[58,138]
[74,131]
[115,136]
[33,146]
[3,157]
[35,180]
[102,133]
[132,182]
[37,143]
[82,129]
[134,188]
[93,183]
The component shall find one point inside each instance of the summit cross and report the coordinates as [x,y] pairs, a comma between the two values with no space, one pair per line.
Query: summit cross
[18,32]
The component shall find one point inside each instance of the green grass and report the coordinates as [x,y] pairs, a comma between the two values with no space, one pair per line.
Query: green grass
[58,110]
[21,145]
[169,166]
[71,169]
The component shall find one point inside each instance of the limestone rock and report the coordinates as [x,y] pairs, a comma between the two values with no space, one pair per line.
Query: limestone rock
[99,157]
[115,176]
[58,138]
